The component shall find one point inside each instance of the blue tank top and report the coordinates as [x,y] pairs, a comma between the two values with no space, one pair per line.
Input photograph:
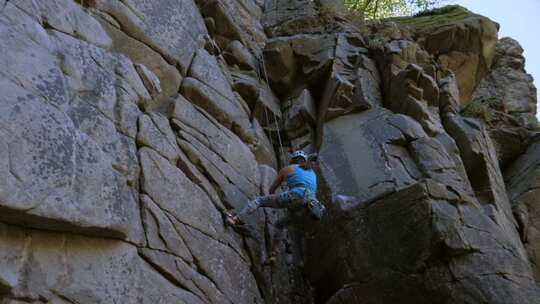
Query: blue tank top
[300,179]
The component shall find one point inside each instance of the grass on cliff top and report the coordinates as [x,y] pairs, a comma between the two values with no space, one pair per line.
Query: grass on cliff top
[435,17]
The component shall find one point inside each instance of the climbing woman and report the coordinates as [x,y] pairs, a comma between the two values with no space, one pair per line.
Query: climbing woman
[302,183]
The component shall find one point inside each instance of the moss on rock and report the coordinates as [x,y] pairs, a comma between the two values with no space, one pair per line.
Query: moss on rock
[436,17]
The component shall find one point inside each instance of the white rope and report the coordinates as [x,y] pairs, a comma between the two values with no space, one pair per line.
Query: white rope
[276,125]
[267,120]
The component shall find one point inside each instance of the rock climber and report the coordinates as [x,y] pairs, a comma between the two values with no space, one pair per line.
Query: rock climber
[302,188]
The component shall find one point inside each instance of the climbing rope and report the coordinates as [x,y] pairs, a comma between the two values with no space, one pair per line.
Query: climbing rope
[276,125]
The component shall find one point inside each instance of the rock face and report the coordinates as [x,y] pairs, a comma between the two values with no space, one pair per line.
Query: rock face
[523,181]
[509,82]
[129,128]
[463,42]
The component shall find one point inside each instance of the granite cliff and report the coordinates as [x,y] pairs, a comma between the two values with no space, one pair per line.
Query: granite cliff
[128,128]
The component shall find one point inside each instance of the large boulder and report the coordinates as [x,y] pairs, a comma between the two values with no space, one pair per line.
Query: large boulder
[416,246]
[352,141]
[389,185]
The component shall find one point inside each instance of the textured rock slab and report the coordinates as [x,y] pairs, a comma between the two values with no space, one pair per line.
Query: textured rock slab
[229,112]
[424,225]
[172,27]
[480,160]
[288,59]
[63,267]
[237,54]
[523,184]
[169,77]
[235,20]
[156,133]
[226,161]
[370,141]
[301,110]
[215,137]
[416,94]
[67,17]
[259,97]
[170,189]
[287,18]
[207,70]
[509,82]
[224,266]
[69,122]
[465,43]
[181,273]
[161,232]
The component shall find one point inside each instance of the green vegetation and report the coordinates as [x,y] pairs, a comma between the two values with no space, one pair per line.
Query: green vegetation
[377,42]
[437,16]
[377,9]
[484,109]
[533,122]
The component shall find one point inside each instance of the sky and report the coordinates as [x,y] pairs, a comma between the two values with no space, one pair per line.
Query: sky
[518,19]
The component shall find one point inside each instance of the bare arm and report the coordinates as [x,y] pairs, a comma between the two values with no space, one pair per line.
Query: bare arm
[280,178]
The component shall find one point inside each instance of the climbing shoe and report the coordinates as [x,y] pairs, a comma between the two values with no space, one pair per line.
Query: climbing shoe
[271,260]
[232,220]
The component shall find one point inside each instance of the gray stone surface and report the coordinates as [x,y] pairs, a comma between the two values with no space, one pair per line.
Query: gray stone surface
[79,108]
[229,112]
[262,101]
[478,154]
[370,141]
[40,265]
[177,195]
[509,82]
[140,53]
[463,41]
[67,17]
[219,140]
[523,184]
[423,223]
[172,27]
[155,132]
[207,70]
[235,20]
[237,54]
[113,187]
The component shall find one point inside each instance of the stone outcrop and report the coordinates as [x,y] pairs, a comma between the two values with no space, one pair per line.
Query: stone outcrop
[130,127]
[523,183]
[463,42]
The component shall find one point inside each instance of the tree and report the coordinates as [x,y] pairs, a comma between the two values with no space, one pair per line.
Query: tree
[376,9]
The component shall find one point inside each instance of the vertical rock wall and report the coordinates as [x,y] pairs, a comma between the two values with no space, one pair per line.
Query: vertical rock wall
[123,141]
[128,128]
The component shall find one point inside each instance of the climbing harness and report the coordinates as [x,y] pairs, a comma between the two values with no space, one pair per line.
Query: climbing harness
[316,209]
[314,206]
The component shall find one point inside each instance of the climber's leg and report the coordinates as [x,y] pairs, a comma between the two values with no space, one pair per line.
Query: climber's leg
[280,200]
[277,239]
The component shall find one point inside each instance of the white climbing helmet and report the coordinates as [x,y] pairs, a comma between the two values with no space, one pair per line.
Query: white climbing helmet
[299,153]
